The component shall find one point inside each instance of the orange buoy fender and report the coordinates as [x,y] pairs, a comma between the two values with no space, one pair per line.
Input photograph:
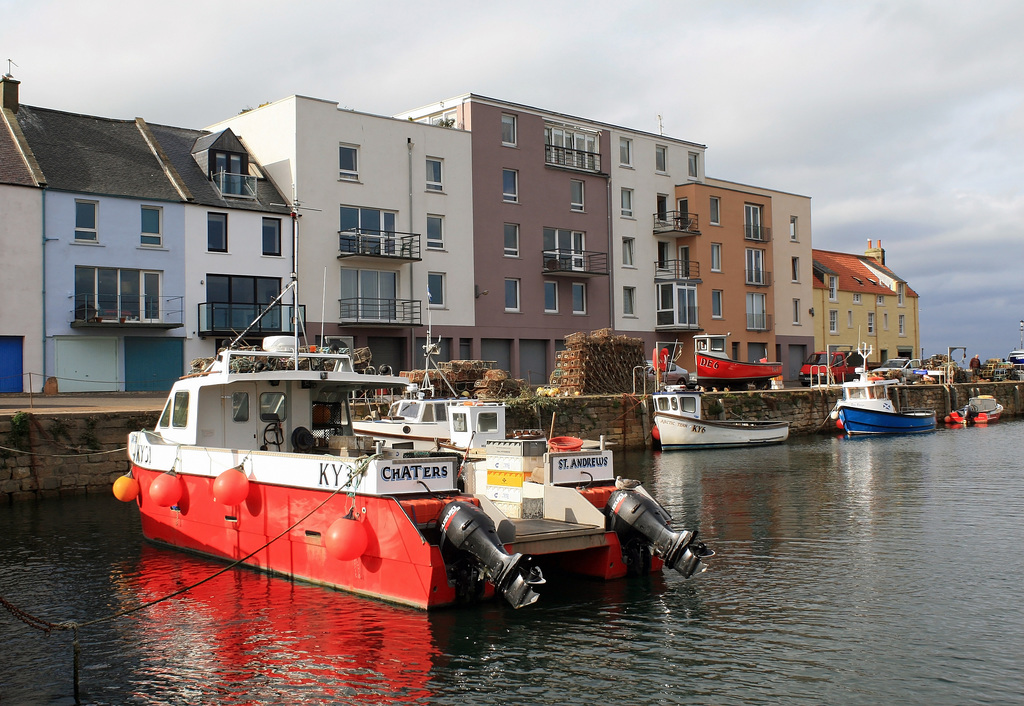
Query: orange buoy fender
[231,487]
[126,489]
[346,539]
[565,443]
[165,490]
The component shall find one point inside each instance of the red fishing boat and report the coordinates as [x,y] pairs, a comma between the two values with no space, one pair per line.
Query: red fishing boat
[716,369]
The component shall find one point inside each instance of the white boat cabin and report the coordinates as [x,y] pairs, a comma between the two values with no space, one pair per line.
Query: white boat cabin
[676,399]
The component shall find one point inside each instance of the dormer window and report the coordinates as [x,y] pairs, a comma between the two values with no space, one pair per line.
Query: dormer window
[230,173]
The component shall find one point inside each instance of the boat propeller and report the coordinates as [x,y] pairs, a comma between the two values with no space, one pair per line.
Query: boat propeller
[470,530]
[633,514]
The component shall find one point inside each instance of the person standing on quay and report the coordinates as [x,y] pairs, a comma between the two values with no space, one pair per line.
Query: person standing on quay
[975,366]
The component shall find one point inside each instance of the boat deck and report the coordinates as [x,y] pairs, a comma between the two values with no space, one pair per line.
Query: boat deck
[546,536]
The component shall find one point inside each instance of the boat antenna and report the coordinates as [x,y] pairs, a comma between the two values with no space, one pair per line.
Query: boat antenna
[295,206]
[323,306]
[432,348]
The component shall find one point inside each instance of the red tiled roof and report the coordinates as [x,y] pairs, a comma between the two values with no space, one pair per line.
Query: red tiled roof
[853,273]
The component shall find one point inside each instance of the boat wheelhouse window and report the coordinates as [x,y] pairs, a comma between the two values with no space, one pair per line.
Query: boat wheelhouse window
[487,421]
[663,404]
[165,418]
[459,422]
[689,404]
[240,406]
[179,417]
[405,410]
[272,407]
[435,413]
[675,404]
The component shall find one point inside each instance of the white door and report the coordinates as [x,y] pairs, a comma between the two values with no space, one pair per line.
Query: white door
[87,364]
[241,417]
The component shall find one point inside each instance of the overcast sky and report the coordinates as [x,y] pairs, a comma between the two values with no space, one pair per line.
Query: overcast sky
[901,120]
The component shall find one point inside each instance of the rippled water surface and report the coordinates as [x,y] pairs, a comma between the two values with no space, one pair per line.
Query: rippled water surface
[848,571]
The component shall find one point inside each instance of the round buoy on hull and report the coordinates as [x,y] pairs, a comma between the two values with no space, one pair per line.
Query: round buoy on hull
[165,490]
[346,539]
[231,487]
[126,489]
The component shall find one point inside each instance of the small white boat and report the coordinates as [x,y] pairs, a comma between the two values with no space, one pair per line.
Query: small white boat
[429,424]
[678,425]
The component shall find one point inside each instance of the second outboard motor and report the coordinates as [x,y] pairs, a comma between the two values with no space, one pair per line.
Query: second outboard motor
[470,530]
[634,515]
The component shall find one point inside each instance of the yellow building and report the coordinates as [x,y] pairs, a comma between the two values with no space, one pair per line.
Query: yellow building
[858,299]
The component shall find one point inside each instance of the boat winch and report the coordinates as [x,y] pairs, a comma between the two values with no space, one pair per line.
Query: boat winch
[642,524]
[471,531]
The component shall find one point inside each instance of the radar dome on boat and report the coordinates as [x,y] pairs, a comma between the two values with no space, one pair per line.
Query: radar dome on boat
[126,489]
[346,539]
[279,344]
[165,490]
[231,487]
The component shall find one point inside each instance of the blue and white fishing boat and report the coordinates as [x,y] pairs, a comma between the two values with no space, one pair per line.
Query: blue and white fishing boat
[867,408]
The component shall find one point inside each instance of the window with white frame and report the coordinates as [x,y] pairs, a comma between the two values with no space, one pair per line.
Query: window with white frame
[434,182]
[369,295]
[579,298]
[677,304]
[856,297]
[900,289]
[833,321]
[550,297]
[511,294]
[755,267]
[796,311]
[575,195]
[348,162]
[511,240]
[272,237]
[625,152]
[716,303]
[510,185]
[716,257]
[885,321]
[571,147]
[757,312]
[715,211]
[435,232]
[796,269]
[626,202]
[628,254]
[833,288]
[871,322]
[508,129]
[693,165]
[660,159]
[792,228]
[435,290]
[85,222]
[880,300]
[566,247]
[152,217]
[902,322]
[629,301]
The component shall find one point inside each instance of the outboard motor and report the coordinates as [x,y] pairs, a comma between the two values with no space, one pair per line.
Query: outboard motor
[643,526]
[470,530]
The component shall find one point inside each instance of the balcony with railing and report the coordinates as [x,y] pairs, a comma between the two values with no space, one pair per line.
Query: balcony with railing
[759,322]
[676,269]
[572,158]
[127,311]
[757,233]
[223,318]
[758,278]
[369,311]
[682,318]
[387,244]
[678,222]
[575,263]
[241,186]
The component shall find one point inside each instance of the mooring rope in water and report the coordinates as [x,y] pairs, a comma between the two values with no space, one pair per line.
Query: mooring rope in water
[47,627]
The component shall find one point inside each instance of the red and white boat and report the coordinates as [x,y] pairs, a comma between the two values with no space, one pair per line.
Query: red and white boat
[716,369]
[983,409]
[255,460]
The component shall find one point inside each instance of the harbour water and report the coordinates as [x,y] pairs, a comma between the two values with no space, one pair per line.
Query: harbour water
[857,571]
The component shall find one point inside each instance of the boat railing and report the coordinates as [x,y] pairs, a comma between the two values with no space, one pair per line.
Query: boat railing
[821,373]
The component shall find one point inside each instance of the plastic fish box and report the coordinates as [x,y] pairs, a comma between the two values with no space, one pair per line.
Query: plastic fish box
[523,464]
[517,447]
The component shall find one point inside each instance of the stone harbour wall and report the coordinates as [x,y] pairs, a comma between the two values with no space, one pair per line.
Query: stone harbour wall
[77,452]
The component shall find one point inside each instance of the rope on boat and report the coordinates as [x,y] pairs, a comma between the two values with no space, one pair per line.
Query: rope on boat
[358,470]
[75,455]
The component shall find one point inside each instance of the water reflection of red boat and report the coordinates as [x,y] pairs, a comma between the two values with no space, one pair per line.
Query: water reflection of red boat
[715,368]
[249,635]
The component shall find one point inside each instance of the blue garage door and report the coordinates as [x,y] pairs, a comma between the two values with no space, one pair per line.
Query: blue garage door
[152,363]
[10,364]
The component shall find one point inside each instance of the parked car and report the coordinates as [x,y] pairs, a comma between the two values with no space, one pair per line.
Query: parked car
[672,375]
[843,366]
[896,367]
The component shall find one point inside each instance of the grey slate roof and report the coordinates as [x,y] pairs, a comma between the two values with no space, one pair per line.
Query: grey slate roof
[179,143]
[12,167]
[88,154]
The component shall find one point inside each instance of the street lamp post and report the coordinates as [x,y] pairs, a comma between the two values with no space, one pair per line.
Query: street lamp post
[1022,333]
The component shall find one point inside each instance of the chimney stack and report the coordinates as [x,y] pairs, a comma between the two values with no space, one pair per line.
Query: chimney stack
[9,89]
[876,253]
